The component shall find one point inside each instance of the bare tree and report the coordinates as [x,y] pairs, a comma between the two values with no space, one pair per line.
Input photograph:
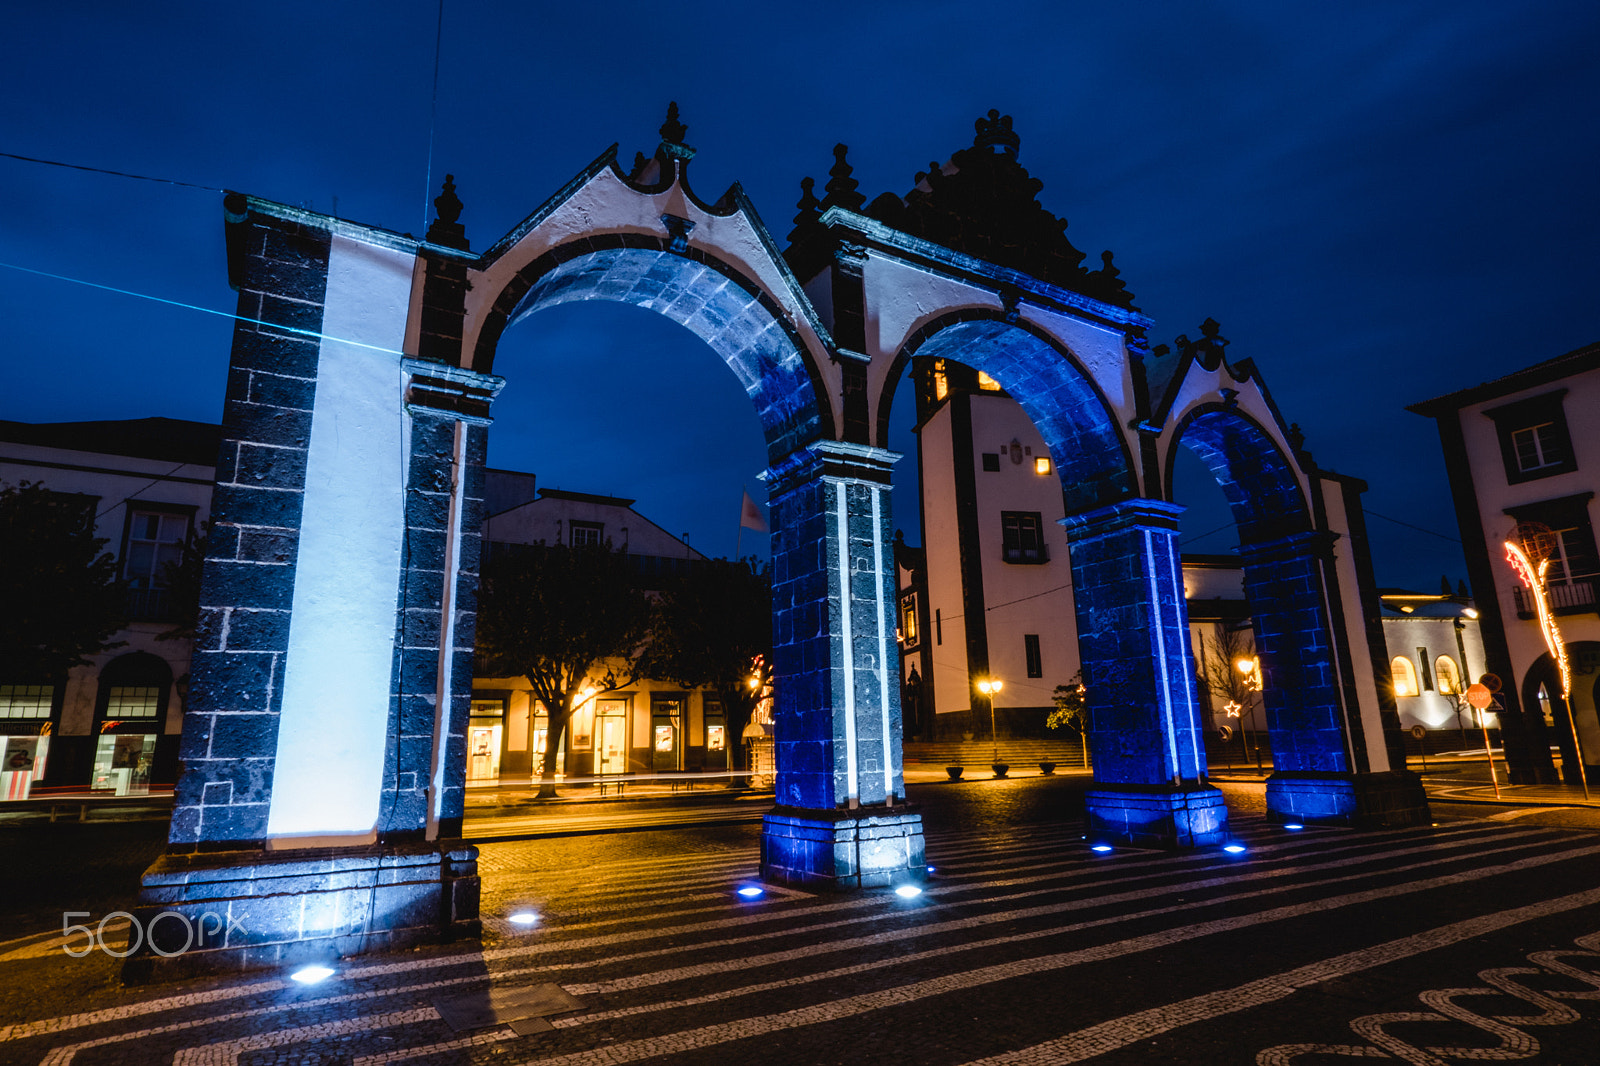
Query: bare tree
[1232,690]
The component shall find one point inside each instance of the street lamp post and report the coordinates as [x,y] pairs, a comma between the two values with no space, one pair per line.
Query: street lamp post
[990,686]
[1252,684]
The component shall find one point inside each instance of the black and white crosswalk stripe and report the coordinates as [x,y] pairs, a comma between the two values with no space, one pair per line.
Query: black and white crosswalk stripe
[669,962]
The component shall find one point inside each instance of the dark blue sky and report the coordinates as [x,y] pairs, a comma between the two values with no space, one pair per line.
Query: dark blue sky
[1379,202]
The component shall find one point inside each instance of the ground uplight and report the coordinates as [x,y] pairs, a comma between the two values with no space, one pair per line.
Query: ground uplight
[752,892]
[1293,825]
[1100,847]
[908,891]
[523,918]
[310,975]
[1233,849]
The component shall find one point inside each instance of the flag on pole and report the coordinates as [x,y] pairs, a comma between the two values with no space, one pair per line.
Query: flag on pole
[750,516]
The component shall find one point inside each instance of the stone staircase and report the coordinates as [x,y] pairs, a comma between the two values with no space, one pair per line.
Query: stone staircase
[1066,753]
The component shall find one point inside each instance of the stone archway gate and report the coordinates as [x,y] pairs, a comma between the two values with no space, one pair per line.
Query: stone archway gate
[320,805]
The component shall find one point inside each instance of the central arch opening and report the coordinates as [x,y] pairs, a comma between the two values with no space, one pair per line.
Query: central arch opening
[622,428]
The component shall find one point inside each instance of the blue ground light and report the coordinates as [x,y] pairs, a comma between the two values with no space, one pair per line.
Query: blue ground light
[311,975]
[1234,849]
[751,892]
[1100,847]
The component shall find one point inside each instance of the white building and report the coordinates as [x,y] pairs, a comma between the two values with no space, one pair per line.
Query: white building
[1523,457]
[990,592]
[112,725]
[650,726]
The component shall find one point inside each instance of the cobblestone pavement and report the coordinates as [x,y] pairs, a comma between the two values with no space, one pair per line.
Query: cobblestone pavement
[1472,940]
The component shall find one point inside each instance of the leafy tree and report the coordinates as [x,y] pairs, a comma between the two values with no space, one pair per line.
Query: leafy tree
[714,630]
[1072,711]
[556,615]
[62,594]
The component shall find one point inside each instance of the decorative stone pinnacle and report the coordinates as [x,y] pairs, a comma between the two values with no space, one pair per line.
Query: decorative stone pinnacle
[841,187]
[446,230]
[447,203]
[995,132]
[672,131]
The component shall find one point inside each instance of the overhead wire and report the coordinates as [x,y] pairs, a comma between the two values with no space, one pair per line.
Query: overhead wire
[114,173]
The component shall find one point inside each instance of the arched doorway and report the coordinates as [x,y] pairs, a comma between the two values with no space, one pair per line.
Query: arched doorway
[1541,688]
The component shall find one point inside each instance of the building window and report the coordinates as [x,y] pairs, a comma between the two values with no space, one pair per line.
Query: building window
[1574,572]
[987,383]
[586,534]
[1022,537]
[1534,441]
[1427,676]
[938,627]
[1030,648]
[908,620]
[991,462]
[134,701]
[1448,677]
[26,701]
[1405,676]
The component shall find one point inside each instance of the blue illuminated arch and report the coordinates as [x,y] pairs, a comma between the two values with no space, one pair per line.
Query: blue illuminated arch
[1077,423]
[1257,479]
[717,303]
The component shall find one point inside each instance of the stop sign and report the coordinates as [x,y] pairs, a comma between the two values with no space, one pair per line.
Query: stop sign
[1479,696]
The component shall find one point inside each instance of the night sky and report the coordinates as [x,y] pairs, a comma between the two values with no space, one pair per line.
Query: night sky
[1379,202]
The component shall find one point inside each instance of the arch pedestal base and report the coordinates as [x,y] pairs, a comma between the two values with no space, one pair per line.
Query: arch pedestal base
[841,850]
[1393,799]
[1149,816]
[233,911]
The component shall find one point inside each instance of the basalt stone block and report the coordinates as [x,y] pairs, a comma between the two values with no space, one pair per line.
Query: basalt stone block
[1157,817]
[245,910]
[843,849]
[1394,799]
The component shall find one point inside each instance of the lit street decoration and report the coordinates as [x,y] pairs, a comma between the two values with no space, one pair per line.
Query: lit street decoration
[1232,708]
[1534,578]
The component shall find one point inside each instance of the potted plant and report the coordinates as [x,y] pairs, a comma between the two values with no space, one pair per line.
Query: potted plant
[1047,768]
[954,772]
[1000,769]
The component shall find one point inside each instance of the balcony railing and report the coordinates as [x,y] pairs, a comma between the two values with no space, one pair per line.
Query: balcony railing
[1041,554]
[1573,597]
[150,605]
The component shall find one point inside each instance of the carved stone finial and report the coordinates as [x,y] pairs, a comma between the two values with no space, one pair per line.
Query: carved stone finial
[995,133]
[810,210]
[672,131]
[447,203]
[1210,327]
[841,187]
[1297,437]
[446,230]
[1112,287]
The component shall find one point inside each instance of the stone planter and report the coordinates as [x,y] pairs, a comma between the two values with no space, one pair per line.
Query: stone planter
[1047,768]
[954,772]
[1000,769]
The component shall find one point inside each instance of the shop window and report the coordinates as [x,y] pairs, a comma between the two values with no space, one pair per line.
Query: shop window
[1447,676]
[909,634]
[1022,537]
[1030,648]
[26,701]
[1534,441]
[1405,676]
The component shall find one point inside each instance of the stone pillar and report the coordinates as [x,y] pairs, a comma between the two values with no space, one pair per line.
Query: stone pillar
[1314,777]
[841,821]
[314,814]
[1133,637]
